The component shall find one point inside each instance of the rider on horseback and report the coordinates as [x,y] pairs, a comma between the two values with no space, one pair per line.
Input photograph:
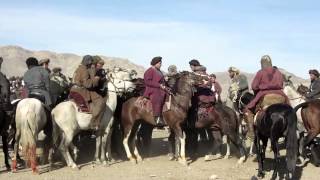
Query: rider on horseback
[102,87]
[314,90]
[85,81]
[155,88]
[37,82]
[59,85]
[267,86]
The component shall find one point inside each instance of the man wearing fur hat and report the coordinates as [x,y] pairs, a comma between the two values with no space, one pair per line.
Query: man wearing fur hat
[238,87]
[45,64]
[170,76]
[314,90]
[155,88]
[267,86]
[85,83]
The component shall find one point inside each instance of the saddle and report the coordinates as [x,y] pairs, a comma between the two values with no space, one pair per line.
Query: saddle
[145,104]
[81,103]
[38,96]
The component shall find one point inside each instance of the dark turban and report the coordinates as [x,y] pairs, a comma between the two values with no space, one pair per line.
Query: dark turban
[87,60]
[156,60]
[31,61]
[314,72]
[194,62]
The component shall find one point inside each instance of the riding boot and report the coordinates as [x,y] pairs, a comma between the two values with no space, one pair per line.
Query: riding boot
[159,121]
[249,117]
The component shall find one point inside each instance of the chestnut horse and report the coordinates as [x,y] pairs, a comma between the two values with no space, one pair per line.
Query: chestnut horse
[133,114]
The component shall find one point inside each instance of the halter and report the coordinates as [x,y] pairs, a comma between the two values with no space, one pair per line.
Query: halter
[118,90]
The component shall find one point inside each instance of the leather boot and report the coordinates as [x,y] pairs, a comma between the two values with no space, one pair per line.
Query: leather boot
[159,121]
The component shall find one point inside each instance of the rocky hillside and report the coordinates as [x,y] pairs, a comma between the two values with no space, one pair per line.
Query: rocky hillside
[14,64]
[14,61]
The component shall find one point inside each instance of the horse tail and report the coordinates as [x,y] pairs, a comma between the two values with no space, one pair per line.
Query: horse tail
[300,106]
[292,141]
[28,136]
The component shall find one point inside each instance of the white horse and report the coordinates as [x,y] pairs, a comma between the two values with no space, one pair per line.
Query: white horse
[295,99]
[30,120]
[68,121]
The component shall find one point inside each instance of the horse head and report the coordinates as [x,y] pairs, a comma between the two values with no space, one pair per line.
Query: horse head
[121,81]
[185,82]
[4,90]
[302,89]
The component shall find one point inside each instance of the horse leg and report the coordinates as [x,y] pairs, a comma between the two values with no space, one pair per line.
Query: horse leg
[127,134]
[275,149]
[133,140]
[98,147]
[217,142]
[177,146]
[227,156]
[74,150]
[259,155]
[15,150]
[171,141]
[5,150]
[106,144]
[239,145]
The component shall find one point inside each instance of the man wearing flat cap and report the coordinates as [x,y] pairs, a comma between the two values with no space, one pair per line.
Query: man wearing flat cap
[45,64]
[155,89]
[314,90]
[85,83]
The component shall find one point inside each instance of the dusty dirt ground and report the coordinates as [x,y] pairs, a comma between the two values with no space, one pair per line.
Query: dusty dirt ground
[157,166]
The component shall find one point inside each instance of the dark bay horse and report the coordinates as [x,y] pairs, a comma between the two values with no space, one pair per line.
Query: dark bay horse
[132,115]
[310,114]
[222,120]
[4,118]
[278,120]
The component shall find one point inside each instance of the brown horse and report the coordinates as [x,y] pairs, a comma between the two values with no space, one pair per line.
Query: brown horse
[133,114]
[310,113]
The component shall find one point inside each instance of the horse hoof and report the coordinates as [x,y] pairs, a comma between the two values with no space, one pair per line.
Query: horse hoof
[133,160]
[208,158]
[241,160]
[35,172]
[139,159]
[14,170]
[171,157]
[75,167]
[227,157]
[97,162]
[183,161]
[105,163]
[218,156]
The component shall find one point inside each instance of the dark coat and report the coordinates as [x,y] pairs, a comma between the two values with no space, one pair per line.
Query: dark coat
[152,80]
[314,89]
[37,80]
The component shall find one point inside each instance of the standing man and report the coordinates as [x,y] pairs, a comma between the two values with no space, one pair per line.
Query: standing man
[155,88]
[45,64]
[239,86]
[314,90]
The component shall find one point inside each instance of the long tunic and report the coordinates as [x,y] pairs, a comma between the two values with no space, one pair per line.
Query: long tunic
[152,80]
[267,81]
[314,92]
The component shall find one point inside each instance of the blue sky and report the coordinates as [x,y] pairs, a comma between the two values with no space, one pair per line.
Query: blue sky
[220,33]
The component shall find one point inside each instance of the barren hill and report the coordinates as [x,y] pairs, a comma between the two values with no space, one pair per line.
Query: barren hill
[15,56]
